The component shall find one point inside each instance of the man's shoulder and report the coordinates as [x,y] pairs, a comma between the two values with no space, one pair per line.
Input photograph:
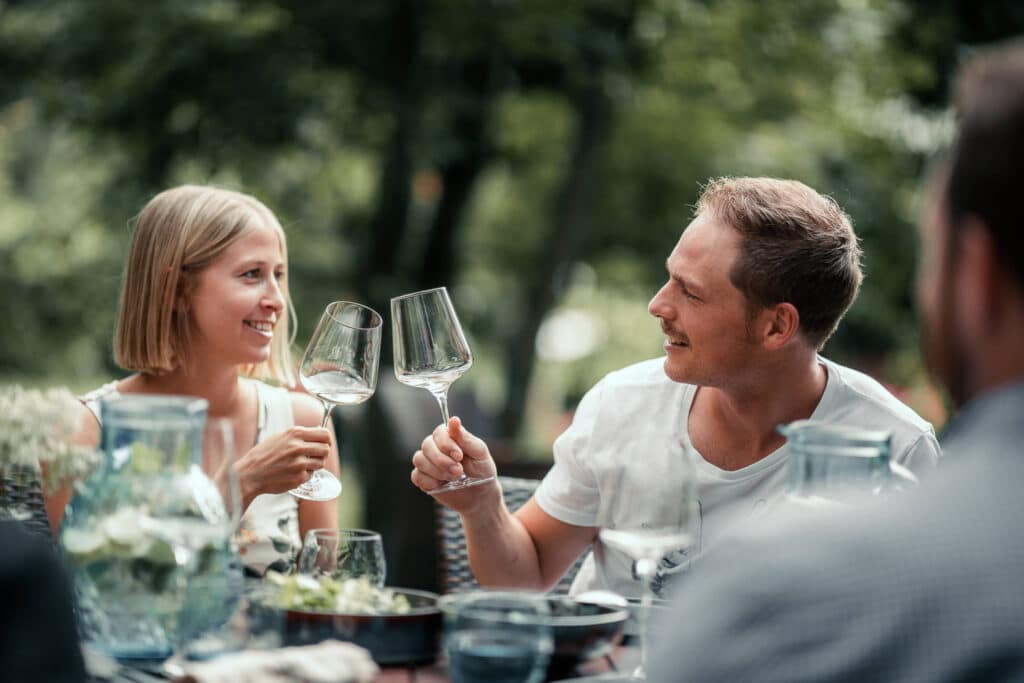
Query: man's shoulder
[861,393]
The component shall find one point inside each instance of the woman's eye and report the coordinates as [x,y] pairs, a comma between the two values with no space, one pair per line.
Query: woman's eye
[252,274]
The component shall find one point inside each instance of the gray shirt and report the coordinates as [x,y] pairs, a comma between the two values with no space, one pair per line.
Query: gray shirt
[926,586]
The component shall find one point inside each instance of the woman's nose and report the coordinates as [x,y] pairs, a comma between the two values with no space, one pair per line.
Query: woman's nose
[274,295]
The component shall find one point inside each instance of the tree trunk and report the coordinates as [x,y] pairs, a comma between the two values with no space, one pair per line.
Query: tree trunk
[558,249]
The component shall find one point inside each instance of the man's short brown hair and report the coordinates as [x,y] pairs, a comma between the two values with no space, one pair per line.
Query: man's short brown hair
[797,246]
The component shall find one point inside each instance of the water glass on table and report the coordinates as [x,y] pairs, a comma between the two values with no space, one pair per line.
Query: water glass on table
[344,554]
[496,636]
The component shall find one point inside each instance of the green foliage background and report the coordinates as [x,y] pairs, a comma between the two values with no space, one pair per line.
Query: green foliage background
[538,158]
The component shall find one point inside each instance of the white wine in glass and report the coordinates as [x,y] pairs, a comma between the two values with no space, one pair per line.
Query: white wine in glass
[431,352]
[339,367]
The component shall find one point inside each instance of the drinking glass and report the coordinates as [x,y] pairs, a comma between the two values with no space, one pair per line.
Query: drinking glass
[647,524]
[344,554]
[339,367]
[496,636]
[431,352]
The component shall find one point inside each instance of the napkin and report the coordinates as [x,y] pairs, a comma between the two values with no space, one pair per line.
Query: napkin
[330,661]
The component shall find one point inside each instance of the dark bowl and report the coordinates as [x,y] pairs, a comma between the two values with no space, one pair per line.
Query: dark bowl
[582,631]
[407,639]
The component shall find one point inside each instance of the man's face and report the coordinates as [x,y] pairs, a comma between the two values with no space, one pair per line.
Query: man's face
[941,341]
[703,315]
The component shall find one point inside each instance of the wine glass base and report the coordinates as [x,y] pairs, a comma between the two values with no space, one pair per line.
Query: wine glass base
[459,484]
[320,487]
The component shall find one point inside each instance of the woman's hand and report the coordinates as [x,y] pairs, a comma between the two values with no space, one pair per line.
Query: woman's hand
[281,462]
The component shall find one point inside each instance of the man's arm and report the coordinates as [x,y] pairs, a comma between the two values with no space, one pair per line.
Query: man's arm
[530,549]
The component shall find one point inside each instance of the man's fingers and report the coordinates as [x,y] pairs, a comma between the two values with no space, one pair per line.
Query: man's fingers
[470,444]
[437,468]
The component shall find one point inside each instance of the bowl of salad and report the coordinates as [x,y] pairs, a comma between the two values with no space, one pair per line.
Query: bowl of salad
[397,625]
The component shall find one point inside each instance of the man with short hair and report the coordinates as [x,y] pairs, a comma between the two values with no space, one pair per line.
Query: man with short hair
[924,586]
[757,283]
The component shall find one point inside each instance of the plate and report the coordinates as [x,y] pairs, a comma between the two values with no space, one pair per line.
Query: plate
[408,639]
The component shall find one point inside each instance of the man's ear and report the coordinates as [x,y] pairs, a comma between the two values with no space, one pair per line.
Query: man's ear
[777,325]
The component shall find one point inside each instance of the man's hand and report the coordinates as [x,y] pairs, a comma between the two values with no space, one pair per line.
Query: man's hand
[445,455]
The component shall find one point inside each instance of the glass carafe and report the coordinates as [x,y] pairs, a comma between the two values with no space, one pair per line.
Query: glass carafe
[832,463]
[143,524]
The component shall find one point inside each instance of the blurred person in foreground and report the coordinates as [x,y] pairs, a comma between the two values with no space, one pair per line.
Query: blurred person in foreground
[205,311]
[757,284]
[928,587]
[38,637]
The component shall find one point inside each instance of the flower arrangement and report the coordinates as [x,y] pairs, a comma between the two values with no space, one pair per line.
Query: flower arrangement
[37,429]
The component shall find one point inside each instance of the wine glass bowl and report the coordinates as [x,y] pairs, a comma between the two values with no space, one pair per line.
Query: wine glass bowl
[431,352]
[339,367]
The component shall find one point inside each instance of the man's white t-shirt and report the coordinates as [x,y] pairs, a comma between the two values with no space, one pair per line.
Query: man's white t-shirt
[638,415]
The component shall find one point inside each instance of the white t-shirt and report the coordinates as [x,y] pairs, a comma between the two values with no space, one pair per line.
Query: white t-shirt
[638,415]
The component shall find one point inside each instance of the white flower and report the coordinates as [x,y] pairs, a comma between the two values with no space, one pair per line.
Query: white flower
[37,427]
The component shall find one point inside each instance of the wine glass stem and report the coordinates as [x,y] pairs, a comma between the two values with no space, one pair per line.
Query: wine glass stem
[327,413]
[442,400]
[645,569]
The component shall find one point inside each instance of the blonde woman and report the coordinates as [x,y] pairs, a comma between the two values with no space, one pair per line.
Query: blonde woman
[205,311]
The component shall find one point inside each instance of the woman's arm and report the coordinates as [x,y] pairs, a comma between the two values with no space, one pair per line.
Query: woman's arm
[88,434]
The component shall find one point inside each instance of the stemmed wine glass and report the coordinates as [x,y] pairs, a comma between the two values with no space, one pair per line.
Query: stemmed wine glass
[649,527]
[210,569]
[339,367]
[431,352]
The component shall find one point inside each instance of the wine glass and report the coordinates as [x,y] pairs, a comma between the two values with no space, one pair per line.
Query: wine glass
[648,528]
[339,367]
[431,352]
[344,554]
[497,636]
[209,564]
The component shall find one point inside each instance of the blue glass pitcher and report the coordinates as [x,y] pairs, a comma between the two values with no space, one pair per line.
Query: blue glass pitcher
[834,463]
[139,528]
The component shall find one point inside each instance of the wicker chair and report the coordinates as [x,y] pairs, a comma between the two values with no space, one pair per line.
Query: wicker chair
[22,491]
[455,573]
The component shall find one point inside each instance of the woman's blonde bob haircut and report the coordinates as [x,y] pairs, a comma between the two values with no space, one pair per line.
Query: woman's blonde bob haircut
[178,233]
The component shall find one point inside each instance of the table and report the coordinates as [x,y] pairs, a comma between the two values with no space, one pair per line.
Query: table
[623,660]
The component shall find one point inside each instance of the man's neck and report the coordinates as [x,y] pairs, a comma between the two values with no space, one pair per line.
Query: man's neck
[734,427]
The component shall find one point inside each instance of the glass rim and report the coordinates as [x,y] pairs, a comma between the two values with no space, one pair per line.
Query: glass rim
[377,320]
[365,534]
[419,293]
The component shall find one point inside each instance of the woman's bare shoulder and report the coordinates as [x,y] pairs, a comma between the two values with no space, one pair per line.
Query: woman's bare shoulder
[306,410]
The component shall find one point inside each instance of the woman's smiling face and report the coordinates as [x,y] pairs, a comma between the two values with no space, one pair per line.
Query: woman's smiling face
[238,299]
